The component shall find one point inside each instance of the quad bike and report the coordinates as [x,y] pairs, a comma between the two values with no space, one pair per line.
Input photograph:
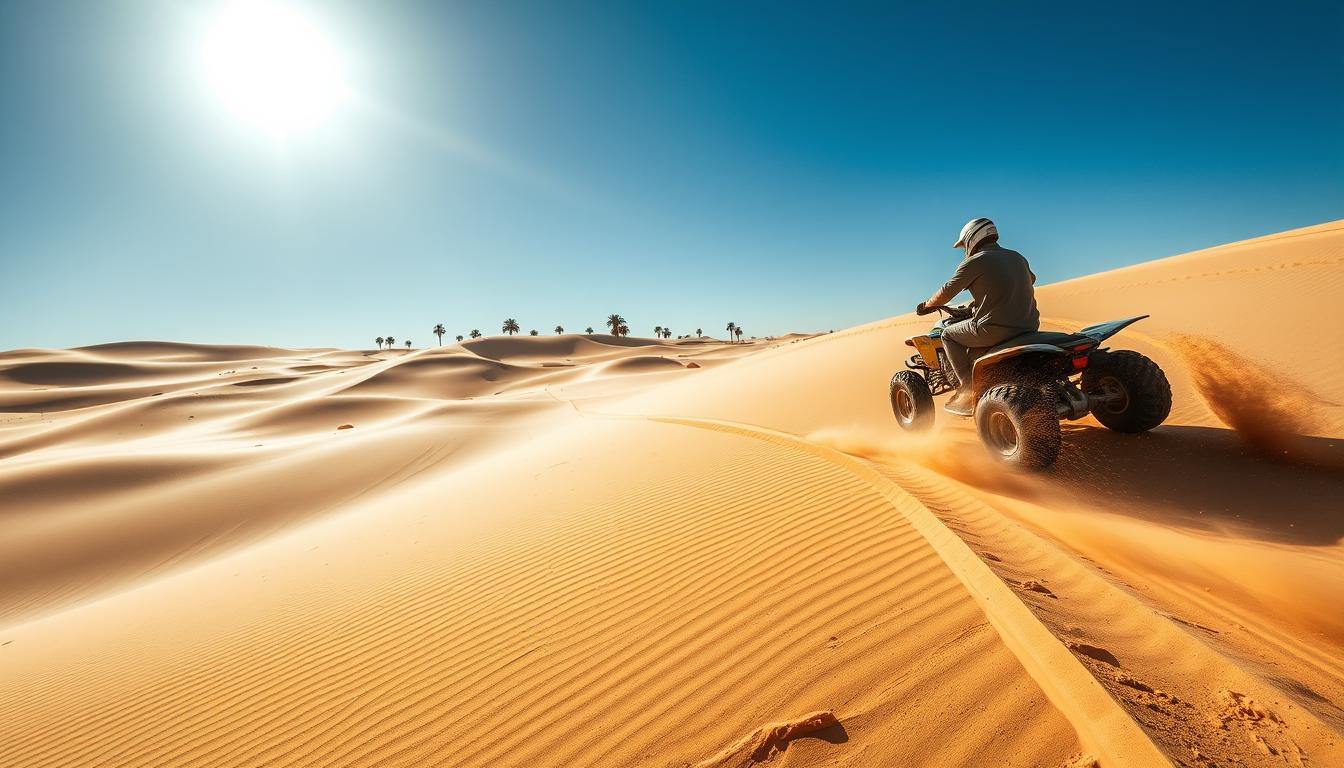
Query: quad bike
[1022,387]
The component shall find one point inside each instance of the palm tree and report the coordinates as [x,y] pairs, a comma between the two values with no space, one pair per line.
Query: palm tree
[624,330]
[459,338]
[408,343]
[657,331]
[532,332]
[731,326]
[614,322]
[559,329]
[699,334]
[380,342]
[588,330]
[475,334]
[738,331]
[439,330]
[390,342]
[511,326]
[667,333]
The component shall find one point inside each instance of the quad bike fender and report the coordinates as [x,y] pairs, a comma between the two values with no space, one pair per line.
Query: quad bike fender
[928,349]
[981,378]
[1103,331]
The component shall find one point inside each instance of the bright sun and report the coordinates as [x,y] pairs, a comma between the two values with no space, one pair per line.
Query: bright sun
[272,67]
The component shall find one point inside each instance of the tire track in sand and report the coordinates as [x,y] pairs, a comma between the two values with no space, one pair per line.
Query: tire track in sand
[1102,724]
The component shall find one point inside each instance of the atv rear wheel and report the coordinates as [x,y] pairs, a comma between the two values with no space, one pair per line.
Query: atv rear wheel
[1018,426]
[911,401]
[1133,392]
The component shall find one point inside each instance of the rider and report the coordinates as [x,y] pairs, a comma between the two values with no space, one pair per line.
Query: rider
[1004,303]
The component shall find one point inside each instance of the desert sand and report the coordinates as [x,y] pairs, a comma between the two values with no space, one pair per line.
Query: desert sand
[583,550]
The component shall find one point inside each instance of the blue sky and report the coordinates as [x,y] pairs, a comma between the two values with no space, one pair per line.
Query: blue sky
[787,166]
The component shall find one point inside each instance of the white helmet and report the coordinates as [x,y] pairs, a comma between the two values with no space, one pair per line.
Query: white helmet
[975,231]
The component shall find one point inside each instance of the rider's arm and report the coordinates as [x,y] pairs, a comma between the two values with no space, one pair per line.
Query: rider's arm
[961,280]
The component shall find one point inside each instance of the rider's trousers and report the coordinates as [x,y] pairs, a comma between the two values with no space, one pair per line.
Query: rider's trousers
[963,336]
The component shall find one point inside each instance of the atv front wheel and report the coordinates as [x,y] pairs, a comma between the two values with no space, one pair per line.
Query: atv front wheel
[1130,391]
[1018,426]
[911,401]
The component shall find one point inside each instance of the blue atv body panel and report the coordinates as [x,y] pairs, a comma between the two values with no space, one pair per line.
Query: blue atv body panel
[1103,331]
[1046,343]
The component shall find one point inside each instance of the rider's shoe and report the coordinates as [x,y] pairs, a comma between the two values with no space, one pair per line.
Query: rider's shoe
[960,404]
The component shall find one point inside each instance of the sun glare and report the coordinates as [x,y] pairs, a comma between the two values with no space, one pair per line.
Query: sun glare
[272,67]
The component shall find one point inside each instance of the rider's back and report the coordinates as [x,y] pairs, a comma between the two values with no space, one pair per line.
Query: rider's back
[1001,283]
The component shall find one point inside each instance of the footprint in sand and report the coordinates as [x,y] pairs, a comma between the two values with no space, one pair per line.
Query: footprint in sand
[770,740]
[1265,730]
[775,740]
[1038,587]
[1094,652]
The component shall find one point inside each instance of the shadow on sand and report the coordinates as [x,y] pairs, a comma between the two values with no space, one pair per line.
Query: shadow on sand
[834,734]
[1209,479]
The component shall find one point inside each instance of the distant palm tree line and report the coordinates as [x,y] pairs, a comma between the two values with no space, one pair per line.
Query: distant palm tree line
[616,324]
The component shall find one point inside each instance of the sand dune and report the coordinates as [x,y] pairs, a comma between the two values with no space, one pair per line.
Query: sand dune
[582,550]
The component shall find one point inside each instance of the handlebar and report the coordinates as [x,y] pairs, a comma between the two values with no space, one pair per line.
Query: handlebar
[956,313]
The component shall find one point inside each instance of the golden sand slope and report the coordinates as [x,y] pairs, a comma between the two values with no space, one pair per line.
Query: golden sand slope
[116,472]
[488,576]
[582,551]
